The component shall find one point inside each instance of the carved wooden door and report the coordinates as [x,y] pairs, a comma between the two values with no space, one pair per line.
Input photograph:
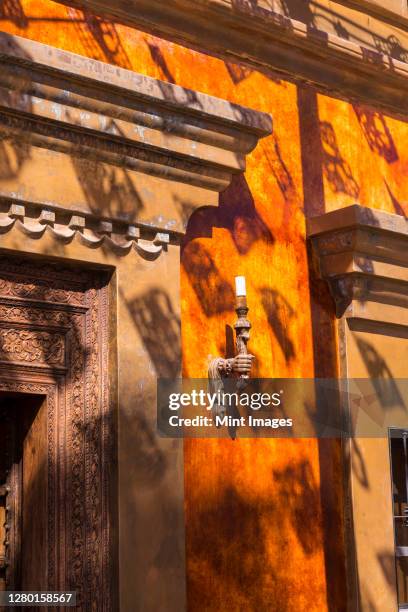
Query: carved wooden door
[57,433]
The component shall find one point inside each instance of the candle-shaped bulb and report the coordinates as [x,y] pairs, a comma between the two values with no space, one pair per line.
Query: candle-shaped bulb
[240,288]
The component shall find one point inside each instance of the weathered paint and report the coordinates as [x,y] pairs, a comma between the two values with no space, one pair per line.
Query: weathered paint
[257,511]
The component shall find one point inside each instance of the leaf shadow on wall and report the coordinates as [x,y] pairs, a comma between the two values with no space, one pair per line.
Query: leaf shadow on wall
[145,476]
[149,463]
[227,536]
[358,464]
[336,169]
[160,61]
[390,46]
[230,538]
[387,564]
[279,169]
[298,486]
[236,213]
[213,291]
[159,329]
[240,72]
[14,153]
[377,133]
[99,38]
[300,11]
[107,189]
[279,312]
[396,204]
[12,10]
[189,96]
[386,389]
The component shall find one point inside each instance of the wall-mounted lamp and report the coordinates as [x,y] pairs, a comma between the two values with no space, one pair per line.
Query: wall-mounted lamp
[240,365]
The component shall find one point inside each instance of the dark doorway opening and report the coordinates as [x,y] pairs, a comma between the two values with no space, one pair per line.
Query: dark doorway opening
[23,492]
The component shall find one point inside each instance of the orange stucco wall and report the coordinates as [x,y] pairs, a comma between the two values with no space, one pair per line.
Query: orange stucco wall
[262,528]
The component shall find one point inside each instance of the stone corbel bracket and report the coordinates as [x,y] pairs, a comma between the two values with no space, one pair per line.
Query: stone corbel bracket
[81,134]
[363,254]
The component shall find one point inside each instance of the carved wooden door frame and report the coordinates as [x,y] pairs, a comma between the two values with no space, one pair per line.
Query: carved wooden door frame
[54,342]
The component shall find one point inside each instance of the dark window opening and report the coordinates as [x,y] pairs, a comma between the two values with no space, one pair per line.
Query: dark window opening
[399,472]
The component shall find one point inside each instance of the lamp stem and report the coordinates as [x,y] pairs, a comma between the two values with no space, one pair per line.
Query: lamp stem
[242,327]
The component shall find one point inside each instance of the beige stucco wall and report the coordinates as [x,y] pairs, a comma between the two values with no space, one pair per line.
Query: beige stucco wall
[369,477]
[150,469]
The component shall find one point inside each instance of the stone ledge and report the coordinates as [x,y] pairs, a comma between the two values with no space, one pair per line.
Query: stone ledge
[363,254]
[82,108]
[384,11]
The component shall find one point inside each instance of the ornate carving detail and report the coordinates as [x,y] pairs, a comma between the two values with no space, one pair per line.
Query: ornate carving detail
[25,314]
[42,290]
[39,347]
[24,387]
[79,436]
[75,439]
[54,512]
[60,276]
[93,441]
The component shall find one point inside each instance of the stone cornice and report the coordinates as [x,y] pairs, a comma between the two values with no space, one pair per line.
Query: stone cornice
[249,32]
[380,11]
[363,254]
[62,102]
